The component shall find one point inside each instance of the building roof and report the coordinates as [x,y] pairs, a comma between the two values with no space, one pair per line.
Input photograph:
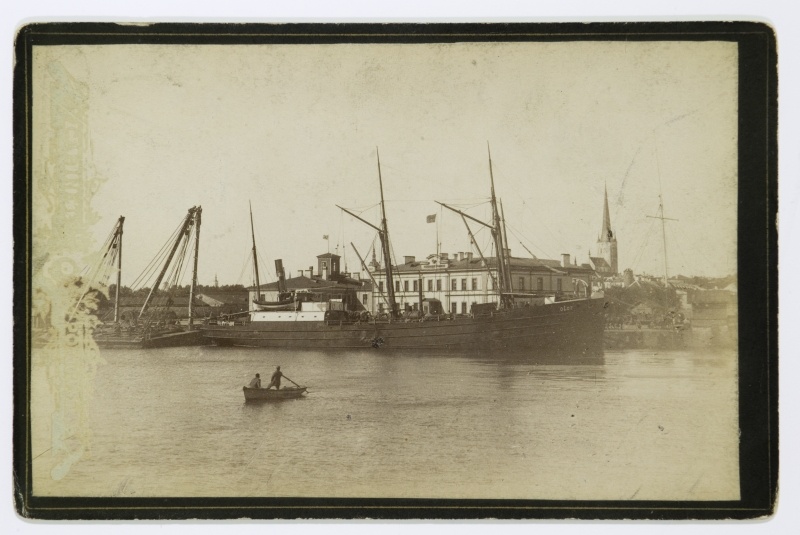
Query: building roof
[475,263]
[600,263]
[328,255]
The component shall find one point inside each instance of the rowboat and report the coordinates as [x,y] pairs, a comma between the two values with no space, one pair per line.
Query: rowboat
[262,394]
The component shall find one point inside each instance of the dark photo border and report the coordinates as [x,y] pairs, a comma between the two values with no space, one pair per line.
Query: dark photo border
[757,272]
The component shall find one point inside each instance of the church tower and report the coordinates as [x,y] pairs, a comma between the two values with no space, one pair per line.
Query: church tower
[607,241]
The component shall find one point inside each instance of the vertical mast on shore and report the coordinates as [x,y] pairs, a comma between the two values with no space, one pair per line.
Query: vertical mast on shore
[197,215]
[118,242]
[187,222]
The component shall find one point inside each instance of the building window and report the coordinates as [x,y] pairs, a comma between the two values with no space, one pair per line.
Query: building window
[396,286]
[380,307]
[558,284]
[364,299]
[380,286]
[454,284]
[464,307]
[474,283]
[324,265]
[405,286]
[438,285]
[453,308]
[540,283]
[416,287]
[463,284]
[430,285]
[522,283]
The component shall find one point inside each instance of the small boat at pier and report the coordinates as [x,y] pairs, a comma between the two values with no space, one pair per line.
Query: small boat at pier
[268,394]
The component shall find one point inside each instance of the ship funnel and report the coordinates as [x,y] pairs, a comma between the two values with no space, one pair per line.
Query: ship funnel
[281,275]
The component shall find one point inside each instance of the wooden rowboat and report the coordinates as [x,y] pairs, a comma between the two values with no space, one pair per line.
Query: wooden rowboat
[262,394]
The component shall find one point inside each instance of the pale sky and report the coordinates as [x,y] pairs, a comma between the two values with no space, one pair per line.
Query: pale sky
[293,128]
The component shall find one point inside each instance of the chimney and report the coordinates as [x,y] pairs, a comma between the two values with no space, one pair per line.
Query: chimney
[310,272]
[461,256]
[508,252]
[565,260]
[469,256]
[408,259]
[443,256]
[281,275]
[301,272]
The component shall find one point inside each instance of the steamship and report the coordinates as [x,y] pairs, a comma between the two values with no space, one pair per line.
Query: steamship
[327,312]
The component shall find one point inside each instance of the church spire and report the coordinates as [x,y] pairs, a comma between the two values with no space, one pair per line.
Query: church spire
[606,234]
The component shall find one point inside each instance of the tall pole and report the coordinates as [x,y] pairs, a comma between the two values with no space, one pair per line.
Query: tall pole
[181,235]
[664,240]
[118,239]
[384,235]
[197,215]
[507,254]
[364,266]
[255,255]
[472,240]
[497,234]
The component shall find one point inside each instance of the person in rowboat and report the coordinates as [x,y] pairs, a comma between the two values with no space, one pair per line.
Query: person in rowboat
[276,379]
[255,382]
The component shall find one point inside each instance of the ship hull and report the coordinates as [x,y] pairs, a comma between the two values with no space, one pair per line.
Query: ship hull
[169,339]
[575,326]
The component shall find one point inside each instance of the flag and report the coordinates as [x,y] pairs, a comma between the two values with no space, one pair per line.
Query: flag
[324,236]
[431,218]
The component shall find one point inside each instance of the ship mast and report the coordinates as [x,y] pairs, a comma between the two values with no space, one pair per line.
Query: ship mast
[255,255]
[365,268]
[197,217]
[472,237]
[187,222]
[664,240]
[506,249]
[118,242]
[506,299]
[383,234]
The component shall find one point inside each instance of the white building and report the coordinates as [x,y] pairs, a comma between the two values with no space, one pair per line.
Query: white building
[461,280]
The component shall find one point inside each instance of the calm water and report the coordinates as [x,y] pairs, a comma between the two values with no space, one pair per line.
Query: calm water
[173,422]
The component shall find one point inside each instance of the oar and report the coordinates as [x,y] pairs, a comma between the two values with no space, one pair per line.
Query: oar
[295,384]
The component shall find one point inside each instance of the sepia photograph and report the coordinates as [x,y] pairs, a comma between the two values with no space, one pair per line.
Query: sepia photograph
[429,269]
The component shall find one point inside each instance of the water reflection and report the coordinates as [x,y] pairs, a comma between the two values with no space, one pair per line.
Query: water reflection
[410,424]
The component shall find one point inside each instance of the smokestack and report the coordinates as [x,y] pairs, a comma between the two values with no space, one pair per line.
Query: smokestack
[281,275]
[565,260]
